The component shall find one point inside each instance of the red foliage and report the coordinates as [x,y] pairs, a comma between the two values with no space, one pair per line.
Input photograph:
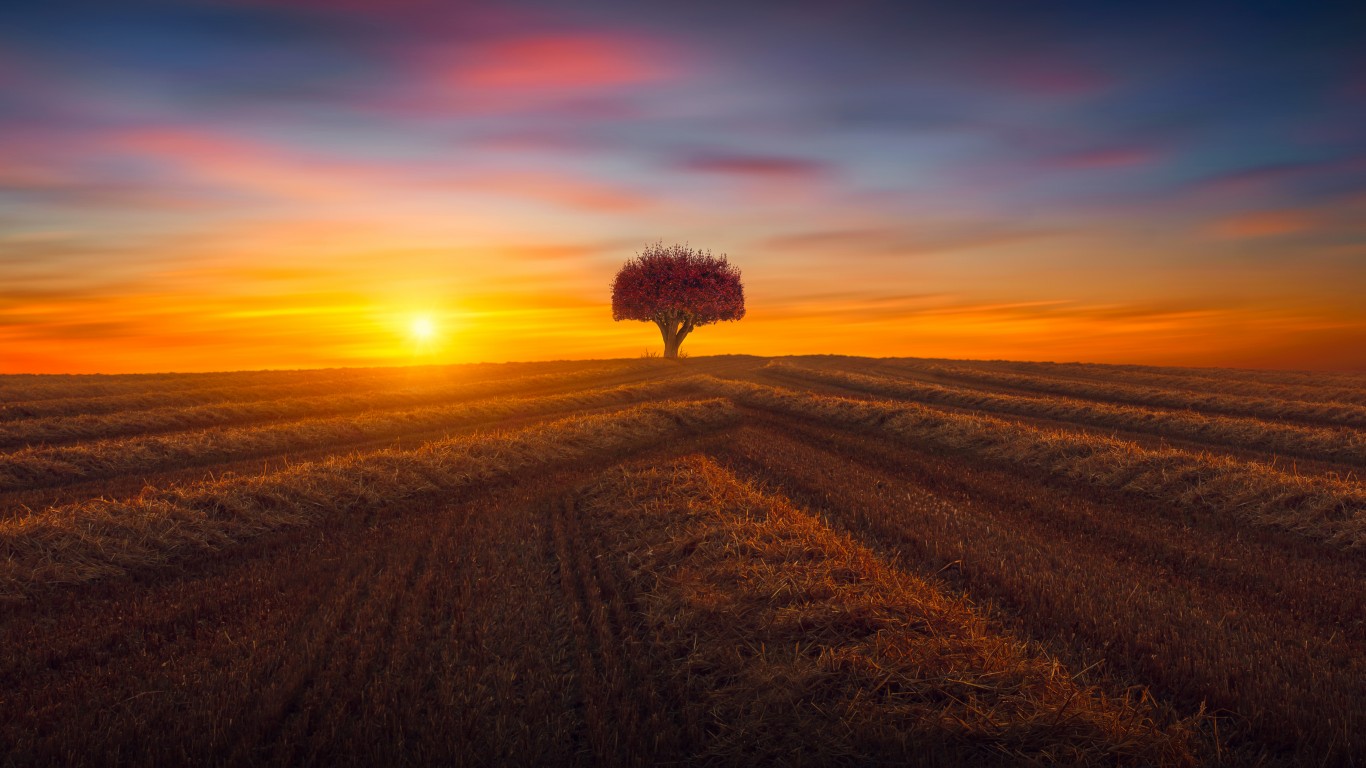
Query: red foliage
[679,284]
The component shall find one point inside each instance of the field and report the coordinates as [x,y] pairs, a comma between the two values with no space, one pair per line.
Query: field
[729,560]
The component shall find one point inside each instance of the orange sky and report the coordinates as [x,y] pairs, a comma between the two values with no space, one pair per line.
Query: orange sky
[297,193]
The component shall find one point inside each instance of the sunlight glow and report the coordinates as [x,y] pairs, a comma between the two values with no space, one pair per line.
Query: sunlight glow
[423,328]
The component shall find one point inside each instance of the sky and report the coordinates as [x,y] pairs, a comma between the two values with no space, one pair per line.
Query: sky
[195,185]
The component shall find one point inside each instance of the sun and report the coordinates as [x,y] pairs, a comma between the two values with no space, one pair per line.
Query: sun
[422,328]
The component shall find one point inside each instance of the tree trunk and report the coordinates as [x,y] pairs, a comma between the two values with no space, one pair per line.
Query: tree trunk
[674,331]
[667,330]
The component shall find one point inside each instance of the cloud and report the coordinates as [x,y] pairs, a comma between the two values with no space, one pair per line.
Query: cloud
[565,61]
[826,239]
[241,165]
[570,132]
[566,252]
[1257,178]
[920,240]
[774,167]
[66,166]
[1250,226]
[563,191]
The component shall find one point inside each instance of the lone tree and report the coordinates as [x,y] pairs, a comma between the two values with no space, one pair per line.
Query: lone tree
[678,289]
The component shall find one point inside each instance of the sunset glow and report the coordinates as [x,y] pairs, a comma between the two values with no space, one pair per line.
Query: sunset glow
[207,186]
[423,329]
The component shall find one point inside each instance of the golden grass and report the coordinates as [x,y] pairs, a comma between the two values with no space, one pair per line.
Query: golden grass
[1337,414]
[180,398]
[793,644]
[42,467]
[339,399]
[29,389]
[1338,444]
[1324,509]
[1318,388]
[1199,610]
[460,602]
[101,538]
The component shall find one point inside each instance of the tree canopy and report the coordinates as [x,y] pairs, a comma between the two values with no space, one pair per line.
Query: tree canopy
[678,288]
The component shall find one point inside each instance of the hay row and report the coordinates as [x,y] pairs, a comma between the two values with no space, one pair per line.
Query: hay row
[339,399]
[1335,414]
[1121,371]
[26,388]
[141,401]
[1235,620]
[101,538]
[1323,509]
[1338,444]
[793,644]
[46,467]
[1324,388]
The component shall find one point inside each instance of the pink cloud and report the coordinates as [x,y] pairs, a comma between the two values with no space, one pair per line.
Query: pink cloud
[231,162]
[574,75]
[564,62]
[287,173]
[261,168]
[755,166]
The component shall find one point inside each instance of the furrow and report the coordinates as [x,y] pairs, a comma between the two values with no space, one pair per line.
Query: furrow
[1200,616]
[795,644]
[60,429]
[1333,414]
[1333,444]
[1322,509]
[99,538]
[47,467]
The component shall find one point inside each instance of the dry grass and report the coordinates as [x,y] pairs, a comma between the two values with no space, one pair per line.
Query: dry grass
[1317,388]
[1338,444]
[180,398]
[178,416]
[23,387]
[854,581]
[797,645]
[28,389]
[32,396]
[422,634]
[1333,414]
[1197,611]
[1323,509]
[101,538]
[45,467]
[1311,379]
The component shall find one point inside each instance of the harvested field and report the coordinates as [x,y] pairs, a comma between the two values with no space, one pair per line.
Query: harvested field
[41,467]
[1322,388]
[1344,414]
[1342,444]
[719,561]
[253,406]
